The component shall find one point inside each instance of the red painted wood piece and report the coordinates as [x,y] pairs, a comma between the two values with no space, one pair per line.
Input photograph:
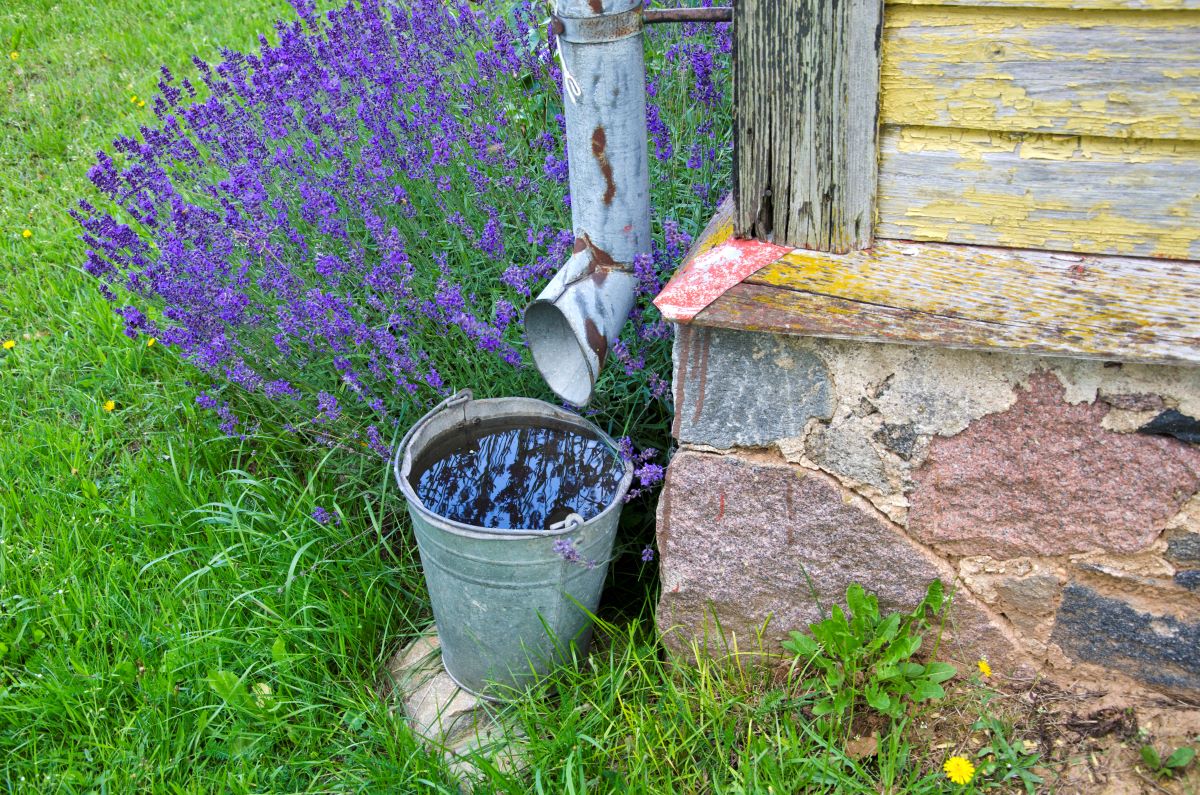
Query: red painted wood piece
[707,277]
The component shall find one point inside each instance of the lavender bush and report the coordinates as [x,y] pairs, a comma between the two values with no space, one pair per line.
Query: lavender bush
[342,228]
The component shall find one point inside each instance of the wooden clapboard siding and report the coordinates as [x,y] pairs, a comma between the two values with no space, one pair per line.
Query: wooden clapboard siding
[1098,73]
[1065,193]
[1132,5]
[1025,301]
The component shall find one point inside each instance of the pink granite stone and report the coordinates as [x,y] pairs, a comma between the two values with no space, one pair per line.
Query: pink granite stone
[747,541]
[1044,478]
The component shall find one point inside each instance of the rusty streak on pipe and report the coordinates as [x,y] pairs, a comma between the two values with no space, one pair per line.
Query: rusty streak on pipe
[658,16]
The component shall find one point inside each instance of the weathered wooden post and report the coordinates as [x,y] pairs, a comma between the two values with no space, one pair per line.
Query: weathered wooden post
[806,102]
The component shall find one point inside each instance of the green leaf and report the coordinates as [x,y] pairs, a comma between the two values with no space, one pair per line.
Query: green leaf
[835,679]
[887,671]
[228,686]
[1030,778]
[1150,757]
[125,672]
[935,597]
[822,662]
[940,671]
[864,606]
[1181,758]
[924,690]
[886,631]
[902,648]
[279,652]
[878,699]
[801,645]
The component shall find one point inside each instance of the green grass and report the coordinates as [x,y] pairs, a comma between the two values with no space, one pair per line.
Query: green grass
[171,618]
[140,550]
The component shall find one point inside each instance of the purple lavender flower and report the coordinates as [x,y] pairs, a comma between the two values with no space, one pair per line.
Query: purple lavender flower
[345,223]
[322,516]
[649,474]
[648,555]
[565,547]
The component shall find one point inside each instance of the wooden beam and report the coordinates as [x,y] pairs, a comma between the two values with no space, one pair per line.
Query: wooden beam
[806,98]
[1077,72]
[1021,301]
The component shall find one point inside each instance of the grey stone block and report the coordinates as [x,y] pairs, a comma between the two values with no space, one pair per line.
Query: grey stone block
[735,388]
[900,438]
[1159,650]
[1184,548]
[1189,579]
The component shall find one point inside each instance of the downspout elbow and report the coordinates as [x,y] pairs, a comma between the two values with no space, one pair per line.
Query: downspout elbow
[574,322]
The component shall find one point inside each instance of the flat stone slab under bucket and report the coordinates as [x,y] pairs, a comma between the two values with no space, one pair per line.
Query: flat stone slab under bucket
[446,717]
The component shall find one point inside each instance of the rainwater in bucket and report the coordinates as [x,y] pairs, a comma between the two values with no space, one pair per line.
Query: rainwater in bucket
[514,504]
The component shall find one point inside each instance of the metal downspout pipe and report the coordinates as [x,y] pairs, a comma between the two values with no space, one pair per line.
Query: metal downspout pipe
[572,325]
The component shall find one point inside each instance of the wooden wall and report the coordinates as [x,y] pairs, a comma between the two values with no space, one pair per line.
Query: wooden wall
[1068,125]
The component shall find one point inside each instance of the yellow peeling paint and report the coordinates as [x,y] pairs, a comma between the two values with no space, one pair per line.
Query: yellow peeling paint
[998,19]
[962,295]
[969,144]
[1030,221]
[1105,307]
[1123,73]
[1068,198]
[1048,147]
[1135,5]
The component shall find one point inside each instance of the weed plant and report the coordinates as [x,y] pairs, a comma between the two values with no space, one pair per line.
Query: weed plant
[866,659]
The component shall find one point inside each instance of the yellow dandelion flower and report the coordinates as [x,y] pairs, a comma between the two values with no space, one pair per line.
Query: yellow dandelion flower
[984,668]
[141,103]
[109,405]
[150,342]
[10,344]
[14,55]
[133,100]
[26,233]
[959,770]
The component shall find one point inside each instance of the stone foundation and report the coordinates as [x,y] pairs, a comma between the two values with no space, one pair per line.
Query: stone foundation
[1032,485]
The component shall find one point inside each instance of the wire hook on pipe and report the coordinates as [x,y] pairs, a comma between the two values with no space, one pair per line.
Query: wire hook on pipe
[570,84]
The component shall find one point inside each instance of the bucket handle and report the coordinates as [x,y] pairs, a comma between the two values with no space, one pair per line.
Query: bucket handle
[459,398]
[572,521]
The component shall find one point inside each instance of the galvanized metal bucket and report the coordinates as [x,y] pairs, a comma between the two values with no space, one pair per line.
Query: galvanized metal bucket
[508,606]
